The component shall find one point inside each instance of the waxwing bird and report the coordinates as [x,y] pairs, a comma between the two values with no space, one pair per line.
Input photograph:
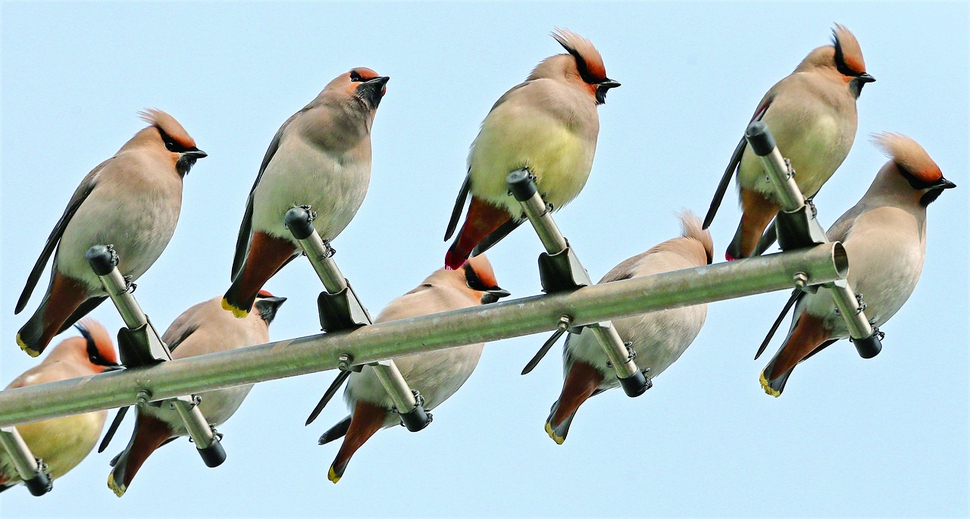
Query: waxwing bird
[436,375]
[131,201]
[658,338]
[63,442]
[812,115]
[203,328]
[547,124]
[884,236]
[320,157]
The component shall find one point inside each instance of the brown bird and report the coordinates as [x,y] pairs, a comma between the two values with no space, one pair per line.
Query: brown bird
[131,201]
[659,338]
[63,442]
[320,157]
[547,124]
[812,115]
[884,236]
[436,375]
[203,328]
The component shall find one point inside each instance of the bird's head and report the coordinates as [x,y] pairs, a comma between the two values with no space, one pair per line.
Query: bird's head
[175,139]
[910,161]
[480,277]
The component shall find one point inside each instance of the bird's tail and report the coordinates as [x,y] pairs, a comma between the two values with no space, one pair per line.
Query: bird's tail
[366,420]
[758,212]
[267,254]
[150,433]
[581,382]
[806,336]
[64,296]
[483,218]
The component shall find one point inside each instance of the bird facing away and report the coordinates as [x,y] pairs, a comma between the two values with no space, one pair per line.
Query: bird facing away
[659,338]
[884,236]
[436,375]
[812,115]
[203,328]
[63,442]
[131,201]
[320,157]
[548,125]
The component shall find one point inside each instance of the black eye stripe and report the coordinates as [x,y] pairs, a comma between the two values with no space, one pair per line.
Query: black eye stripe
[355,76]
[170,143]
[840,61]
[914,181]
[472,279]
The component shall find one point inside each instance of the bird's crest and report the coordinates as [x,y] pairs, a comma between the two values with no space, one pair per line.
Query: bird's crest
[168,127]
[848,53]
[588,59]
[479,273]
[97,340]
[693,228]
[909,156]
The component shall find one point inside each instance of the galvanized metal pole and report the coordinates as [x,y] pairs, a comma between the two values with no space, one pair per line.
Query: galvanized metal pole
[529,315]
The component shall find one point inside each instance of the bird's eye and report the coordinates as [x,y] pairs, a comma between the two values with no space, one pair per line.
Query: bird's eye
[355,76]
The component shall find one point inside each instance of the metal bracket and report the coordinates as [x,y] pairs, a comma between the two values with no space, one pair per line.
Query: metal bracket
[32,470]
[559,267]
[141,345]
[341,309]
[797,228]
[560,270]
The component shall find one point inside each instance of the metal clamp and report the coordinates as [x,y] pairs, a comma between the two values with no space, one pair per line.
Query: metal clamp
[340,309]
[796,227]
[141,345]
[32,470]
[559,270]
[559,267]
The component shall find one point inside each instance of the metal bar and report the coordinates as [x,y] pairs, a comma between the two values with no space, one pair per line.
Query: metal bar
[195,422]
[524,190]
[103,260]
[530,315]
[299,220]
[779,172]
[395,385]
[848,305]
[615,350]
[20,456]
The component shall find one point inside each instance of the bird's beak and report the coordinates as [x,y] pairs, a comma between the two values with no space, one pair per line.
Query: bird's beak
[373,90]
[195,153]
[494,294]
[866,78]
[113,367]
[610,83]
[267,307]
[944,184]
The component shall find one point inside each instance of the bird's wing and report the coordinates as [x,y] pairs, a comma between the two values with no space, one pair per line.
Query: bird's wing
[459,205]
[246,227]
[80,194]
[733,166]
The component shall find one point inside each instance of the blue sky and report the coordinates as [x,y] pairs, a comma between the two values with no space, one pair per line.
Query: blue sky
[850,437]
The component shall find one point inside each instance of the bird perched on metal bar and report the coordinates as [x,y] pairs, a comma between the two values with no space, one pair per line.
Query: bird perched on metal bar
[435,375]
[63,442]
[203,328]
[548,125]
[884,236]
[131,201]
[320,157]
[812,115]
[658,338]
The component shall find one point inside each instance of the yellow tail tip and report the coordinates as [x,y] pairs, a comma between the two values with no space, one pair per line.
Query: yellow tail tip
[768,389]
[332,476]
[26,348]
[238,312]
[117,489]
[552,434]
